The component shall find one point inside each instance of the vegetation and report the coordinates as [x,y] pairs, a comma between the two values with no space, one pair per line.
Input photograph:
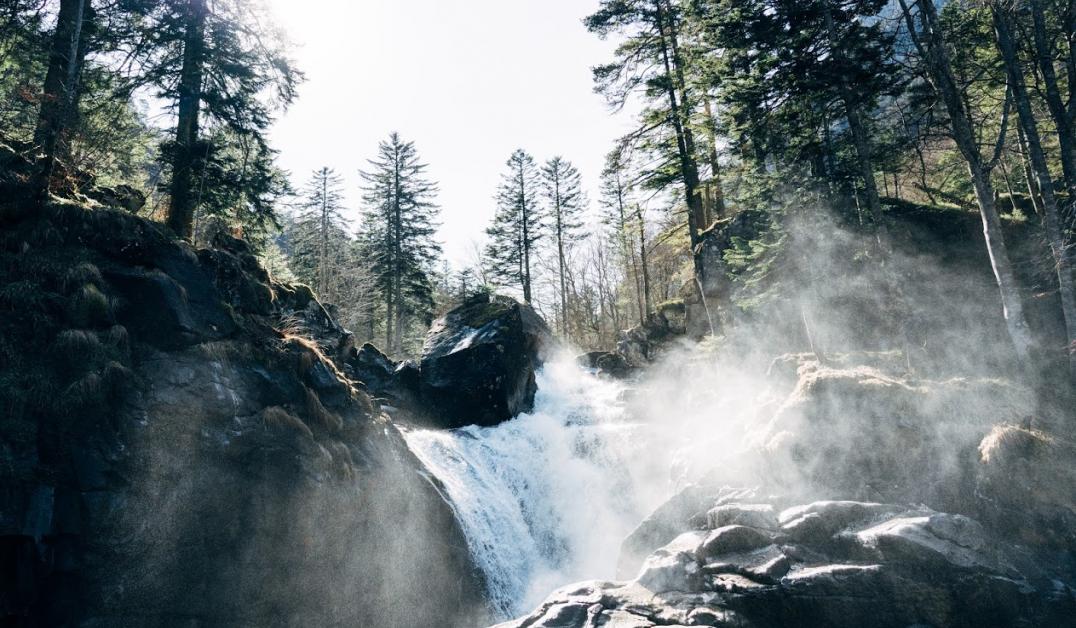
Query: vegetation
[762,105]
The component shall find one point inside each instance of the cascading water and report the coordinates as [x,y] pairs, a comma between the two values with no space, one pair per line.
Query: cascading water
[546,498]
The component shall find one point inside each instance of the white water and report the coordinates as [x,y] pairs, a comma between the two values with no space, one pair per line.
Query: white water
[546,498]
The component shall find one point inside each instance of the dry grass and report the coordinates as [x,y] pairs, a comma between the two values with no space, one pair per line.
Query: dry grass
[96,387]
[1006,443]
[80,275]
[90,307]
[320,415]
[279,418]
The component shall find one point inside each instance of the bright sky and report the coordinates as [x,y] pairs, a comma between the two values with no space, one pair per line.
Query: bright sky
[468,81]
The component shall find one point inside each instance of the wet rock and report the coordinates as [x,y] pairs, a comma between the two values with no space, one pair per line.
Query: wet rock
[607,363]
[849,564]
[731,539]
[479,360]
[760,516]
[661,527]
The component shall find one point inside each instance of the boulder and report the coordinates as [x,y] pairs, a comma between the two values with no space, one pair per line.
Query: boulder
[864,564]
[608,363]
[479,361]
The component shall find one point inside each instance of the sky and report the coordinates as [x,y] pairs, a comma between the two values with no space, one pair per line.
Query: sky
[468,81]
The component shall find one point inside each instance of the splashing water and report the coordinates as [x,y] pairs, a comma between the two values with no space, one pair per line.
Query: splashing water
[546,498]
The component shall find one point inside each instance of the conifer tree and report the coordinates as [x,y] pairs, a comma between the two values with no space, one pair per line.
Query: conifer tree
[398,236]
[222,65]
[319,233]
[518,226]
[563,190]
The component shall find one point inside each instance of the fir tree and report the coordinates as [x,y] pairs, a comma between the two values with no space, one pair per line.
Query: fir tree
[517,226]
[221,65]
[562,187]
[319,234]
[399,225]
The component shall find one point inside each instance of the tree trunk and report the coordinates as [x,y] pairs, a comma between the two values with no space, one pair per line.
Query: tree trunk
[860,138]
[937,59]
[1054,234]
[1060,114]
[641,224]
[525,220]
[59,98]
[679,110]
[397,250]
[626,242]
[1029,177]
[181,211]
[715,166]
[560,262]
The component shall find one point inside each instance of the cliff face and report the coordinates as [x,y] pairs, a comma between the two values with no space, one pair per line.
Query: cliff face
[179,447]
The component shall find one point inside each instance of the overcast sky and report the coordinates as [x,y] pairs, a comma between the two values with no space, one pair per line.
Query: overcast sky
[467,80]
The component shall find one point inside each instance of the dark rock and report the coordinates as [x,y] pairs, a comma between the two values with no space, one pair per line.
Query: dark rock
[119,197]
[607,363]
[206,460]
[154,306]
[479,360]
[912,567]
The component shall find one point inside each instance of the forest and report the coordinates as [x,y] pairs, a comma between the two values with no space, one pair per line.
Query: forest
[797,347]
[858,106]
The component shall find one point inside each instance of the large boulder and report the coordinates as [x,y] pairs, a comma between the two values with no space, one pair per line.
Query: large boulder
[479,360]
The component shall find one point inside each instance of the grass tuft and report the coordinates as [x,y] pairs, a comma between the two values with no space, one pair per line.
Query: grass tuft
[279,418]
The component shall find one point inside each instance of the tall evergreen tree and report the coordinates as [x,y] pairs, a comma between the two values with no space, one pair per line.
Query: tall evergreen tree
[59,99]
[563,189]
[319,234]
[398,235]
[518,225]
[221,65]
[651,59]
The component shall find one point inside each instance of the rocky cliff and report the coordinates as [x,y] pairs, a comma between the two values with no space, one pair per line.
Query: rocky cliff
[180,447]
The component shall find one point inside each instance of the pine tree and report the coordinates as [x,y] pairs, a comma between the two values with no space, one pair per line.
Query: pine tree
[59,100]
[319,234]
[518,226]
[651,59]
[221,65]
[398,236]
[563,189]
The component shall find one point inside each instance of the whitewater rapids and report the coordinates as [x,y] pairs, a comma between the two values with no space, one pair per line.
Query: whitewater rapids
[546,498]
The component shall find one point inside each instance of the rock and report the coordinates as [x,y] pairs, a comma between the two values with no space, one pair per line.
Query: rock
[766,565]
[661,527]
[843,565]
[1023,481]
[369,366]
[607,363]
[732,539]
[204,460]
[816,523]
[479,360]
[753,515]
[121,196]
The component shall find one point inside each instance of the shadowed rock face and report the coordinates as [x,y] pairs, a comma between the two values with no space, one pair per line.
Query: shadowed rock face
[478,361]
[832,564]
[169,458]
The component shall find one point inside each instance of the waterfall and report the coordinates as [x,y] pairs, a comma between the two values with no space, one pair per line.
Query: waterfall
[546,498]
